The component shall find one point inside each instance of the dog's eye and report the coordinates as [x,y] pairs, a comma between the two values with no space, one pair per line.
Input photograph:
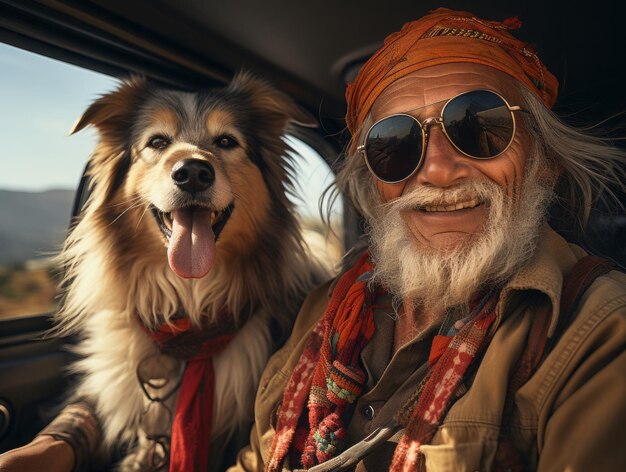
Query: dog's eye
[226,142]
[158,142]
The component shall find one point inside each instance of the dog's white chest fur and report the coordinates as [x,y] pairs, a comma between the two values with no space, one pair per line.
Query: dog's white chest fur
[115,347]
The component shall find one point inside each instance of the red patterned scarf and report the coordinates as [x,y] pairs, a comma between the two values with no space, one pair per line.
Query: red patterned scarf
[191,427]
[313,417]
[443,386]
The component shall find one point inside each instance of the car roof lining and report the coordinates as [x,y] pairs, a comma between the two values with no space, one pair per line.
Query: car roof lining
[305,47]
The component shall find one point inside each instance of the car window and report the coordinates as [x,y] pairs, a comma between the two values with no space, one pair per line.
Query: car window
[322,226]
[41,167]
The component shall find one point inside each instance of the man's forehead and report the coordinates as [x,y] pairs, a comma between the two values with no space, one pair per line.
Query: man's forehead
[434,85]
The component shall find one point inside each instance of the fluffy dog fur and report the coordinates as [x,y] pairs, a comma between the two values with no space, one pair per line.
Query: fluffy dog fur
[115,258]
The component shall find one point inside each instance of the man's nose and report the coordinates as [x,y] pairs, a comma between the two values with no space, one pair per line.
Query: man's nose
[443,165]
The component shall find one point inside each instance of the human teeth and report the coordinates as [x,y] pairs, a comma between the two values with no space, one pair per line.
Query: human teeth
[456,206]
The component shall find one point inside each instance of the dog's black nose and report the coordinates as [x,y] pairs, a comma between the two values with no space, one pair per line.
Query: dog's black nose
[193,175]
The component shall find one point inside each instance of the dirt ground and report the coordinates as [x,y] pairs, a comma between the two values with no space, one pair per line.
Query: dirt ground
[25,291]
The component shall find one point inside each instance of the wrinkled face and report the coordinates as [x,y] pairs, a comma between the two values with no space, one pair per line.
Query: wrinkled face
[456,221]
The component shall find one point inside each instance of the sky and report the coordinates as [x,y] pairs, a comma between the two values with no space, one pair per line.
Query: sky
[40,100]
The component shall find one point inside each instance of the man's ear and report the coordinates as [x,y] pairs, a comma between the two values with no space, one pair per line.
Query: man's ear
[112,113]
[269,99]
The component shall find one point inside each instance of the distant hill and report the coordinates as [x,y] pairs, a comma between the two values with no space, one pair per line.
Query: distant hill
[32,224]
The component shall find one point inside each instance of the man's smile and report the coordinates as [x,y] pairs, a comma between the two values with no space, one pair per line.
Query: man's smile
[428,219]
[472,203]
[446,225]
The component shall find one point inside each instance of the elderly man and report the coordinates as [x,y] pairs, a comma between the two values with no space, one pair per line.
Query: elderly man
[468,335]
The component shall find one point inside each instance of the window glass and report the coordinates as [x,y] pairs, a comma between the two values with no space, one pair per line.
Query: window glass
[313,175]
[41,166]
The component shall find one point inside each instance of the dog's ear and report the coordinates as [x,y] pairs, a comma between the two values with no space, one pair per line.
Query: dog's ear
[111,114]
[267,98]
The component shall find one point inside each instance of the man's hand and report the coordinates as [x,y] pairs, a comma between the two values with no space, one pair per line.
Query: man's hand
[43,453]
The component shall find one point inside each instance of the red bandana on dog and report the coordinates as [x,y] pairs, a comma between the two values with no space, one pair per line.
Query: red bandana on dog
[191,427]
[314,414]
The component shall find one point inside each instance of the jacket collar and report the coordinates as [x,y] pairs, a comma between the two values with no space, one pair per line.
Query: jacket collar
[544,273]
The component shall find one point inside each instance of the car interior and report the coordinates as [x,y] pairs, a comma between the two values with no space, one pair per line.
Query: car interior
[310,51]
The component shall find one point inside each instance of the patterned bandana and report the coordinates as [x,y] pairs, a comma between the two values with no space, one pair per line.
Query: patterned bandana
[442,37]
[314,415]
[191,427]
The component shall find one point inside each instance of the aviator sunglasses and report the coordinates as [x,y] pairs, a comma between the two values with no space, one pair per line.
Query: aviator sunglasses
[479,124]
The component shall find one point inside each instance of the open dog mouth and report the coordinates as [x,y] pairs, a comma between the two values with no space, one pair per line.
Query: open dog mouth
[192,234]
[219,218]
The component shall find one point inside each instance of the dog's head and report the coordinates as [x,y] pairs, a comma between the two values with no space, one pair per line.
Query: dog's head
[204,166]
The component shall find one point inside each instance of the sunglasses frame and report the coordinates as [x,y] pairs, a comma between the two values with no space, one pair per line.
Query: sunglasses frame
[425,125]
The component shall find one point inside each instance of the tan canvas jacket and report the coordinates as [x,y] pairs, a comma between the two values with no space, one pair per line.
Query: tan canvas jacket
[570,416]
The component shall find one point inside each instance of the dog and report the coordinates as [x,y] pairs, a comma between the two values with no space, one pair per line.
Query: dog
[188,223]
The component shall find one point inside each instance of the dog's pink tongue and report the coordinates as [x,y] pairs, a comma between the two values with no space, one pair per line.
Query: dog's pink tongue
[191,249]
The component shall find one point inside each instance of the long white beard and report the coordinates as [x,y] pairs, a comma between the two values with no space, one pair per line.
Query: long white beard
[442,279]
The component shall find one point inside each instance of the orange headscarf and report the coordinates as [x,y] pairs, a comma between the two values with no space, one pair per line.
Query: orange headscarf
[441,37]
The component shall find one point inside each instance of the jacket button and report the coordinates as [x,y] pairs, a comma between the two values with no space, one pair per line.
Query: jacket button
[369,412]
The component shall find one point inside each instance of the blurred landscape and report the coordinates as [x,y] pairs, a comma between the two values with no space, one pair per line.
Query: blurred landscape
[25,292]
[33,224]
[33,227]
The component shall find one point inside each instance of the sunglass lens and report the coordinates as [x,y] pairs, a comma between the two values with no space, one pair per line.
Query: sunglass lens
[479,124]
[393,148]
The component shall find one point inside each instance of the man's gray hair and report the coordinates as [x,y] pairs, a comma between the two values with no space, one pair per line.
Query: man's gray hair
[591,167]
